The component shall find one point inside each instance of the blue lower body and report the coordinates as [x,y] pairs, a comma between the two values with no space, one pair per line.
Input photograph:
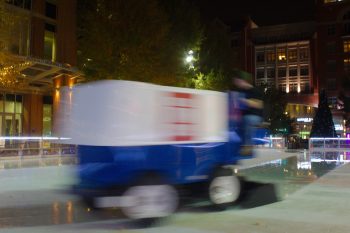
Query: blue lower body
[104,167]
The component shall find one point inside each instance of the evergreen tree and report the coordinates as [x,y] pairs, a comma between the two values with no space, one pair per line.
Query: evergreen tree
[323,125]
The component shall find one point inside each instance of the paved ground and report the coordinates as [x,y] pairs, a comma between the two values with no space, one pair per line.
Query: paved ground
[311,200]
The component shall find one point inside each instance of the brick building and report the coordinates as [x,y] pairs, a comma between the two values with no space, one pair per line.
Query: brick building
[46,44]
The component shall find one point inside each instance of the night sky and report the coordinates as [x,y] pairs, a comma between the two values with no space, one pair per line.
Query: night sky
[263,12]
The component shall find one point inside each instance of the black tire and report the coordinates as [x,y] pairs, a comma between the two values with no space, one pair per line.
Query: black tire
[224,188]
[150,199]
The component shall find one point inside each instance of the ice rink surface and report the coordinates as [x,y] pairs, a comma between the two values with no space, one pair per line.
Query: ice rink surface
[312,195]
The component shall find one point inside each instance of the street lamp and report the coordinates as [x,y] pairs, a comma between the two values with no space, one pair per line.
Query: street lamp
[189,59]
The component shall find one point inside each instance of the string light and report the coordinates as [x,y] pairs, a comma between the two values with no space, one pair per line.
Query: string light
[10,71]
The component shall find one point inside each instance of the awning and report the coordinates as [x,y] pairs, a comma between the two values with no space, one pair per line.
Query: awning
[38,74]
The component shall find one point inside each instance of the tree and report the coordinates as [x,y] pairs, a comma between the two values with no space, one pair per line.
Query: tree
[11,24]
[323,125]
[139,40]
[185,35]
[216,58]
[274,111]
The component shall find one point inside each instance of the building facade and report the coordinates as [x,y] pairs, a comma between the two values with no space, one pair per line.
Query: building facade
[43,49]
[300,59]
[283,60]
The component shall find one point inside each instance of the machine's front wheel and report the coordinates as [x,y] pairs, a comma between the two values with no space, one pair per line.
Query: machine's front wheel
[224,188]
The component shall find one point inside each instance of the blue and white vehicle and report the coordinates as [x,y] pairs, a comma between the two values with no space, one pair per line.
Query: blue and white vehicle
[141,147]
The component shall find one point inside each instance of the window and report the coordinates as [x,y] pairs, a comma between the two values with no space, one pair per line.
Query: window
[47,115]
[282,87]
[293,87]
[282,72]
[331,29]
[270,56]
[331,66]
[260,57]
[292,55]
[331,1]
[234,43]
[347,28]
[347,64]
[304,70]
[303,53]
[281,54]
[331,84]
[10,103]
[346,44]
[25,4]
[293,71]
[346,16]
[304,87]
[50,42]
[332,102]
[11,114]
[50,10]
[271,72]
[331,49]
[260,73]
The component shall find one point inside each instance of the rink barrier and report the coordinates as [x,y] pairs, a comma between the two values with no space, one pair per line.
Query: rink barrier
[26,147]
[334,144]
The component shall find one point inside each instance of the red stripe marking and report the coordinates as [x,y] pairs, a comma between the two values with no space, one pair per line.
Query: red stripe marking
[182,123]
[181,95]
[182,138]
[177,106]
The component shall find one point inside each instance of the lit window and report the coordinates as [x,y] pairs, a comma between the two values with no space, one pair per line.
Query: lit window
[331,1]
[293,87]
[11,109]
[292,55]
[50,43]
[281,54]
[303,53]
[332,102]
[47,115]
[346,44]
[304,87]
[282,87]
[270,56]
[347,64]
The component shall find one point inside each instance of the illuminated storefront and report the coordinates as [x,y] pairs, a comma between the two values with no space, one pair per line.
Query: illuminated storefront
[302,116]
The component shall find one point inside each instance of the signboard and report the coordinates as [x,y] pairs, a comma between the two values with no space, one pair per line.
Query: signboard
[304,119]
